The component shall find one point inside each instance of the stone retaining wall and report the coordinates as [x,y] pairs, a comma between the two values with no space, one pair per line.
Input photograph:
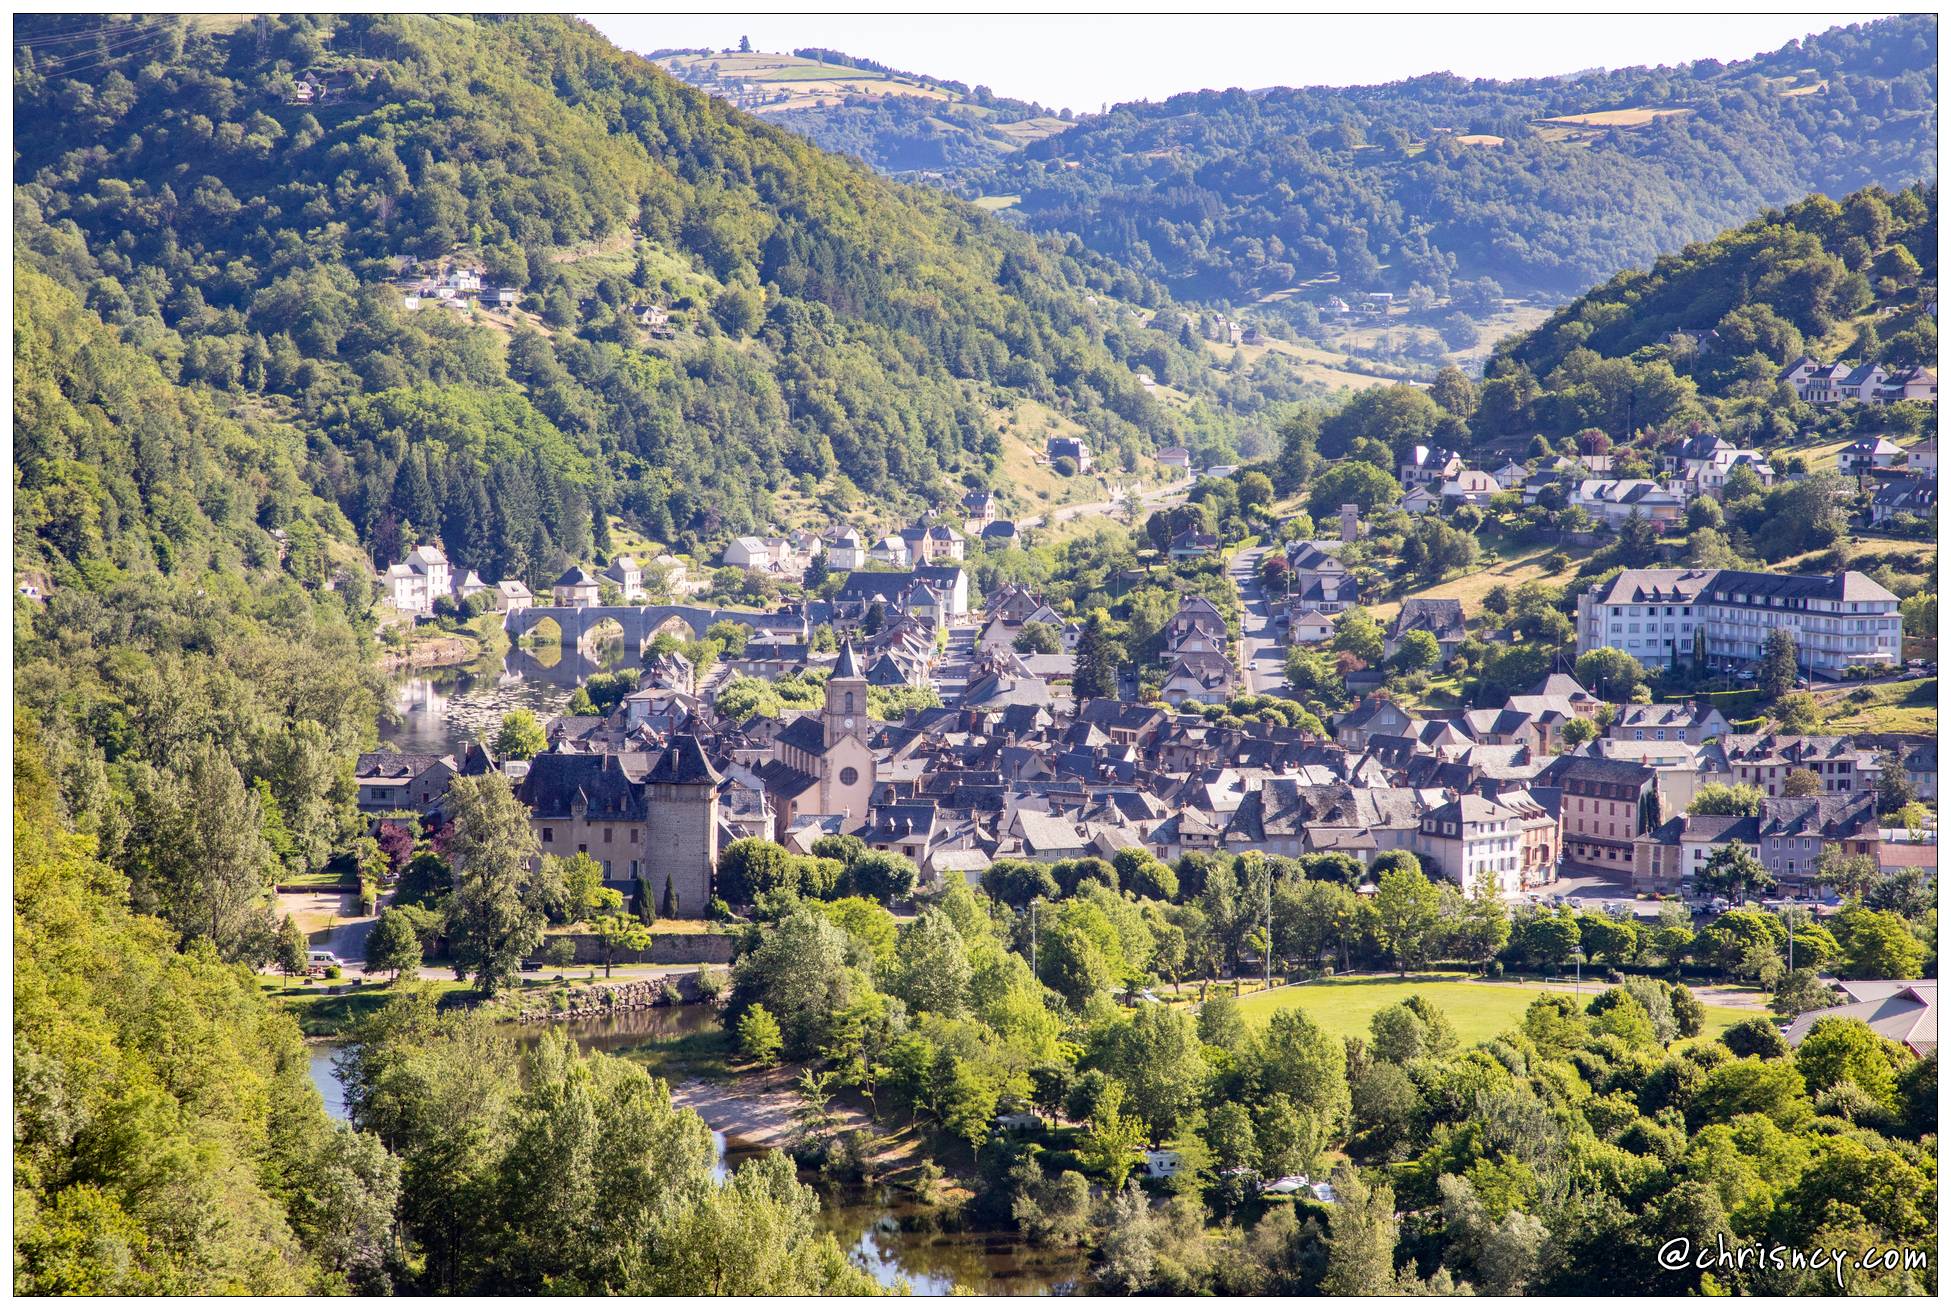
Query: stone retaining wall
[598,999]
[665,948]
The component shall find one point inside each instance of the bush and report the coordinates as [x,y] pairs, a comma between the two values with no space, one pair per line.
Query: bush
[334,971]
[713,984]
[1065,466]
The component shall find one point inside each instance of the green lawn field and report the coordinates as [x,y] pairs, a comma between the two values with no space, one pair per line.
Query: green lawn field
[1479,1010]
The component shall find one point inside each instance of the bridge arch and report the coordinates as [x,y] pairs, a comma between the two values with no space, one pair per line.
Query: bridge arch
[640,623]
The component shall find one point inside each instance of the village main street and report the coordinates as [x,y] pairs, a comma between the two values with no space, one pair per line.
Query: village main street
[1261,666]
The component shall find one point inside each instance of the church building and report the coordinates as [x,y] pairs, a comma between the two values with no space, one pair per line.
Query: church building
[821,763]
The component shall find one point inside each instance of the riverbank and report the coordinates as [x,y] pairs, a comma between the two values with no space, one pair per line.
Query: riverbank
[758,1107]
[481,638]
[330,1010]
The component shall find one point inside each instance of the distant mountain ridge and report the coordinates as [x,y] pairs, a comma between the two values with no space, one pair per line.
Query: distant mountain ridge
[1545,185]
[898,122]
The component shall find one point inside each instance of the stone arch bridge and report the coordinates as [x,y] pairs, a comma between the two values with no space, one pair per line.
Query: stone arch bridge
[641,623]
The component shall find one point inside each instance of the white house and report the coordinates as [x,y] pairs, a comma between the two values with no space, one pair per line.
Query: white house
[845,551]
[628,575]
[1470,487]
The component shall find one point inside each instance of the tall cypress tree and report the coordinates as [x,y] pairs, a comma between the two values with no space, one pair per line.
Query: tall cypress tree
[1096,674]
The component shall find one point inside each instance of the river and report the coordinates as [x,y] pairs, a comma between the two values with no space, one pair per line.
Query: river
[438,711]
[887,1234]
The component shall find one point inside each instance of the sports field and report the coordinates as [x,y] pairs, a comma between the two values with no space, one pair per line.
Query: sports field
[1479,1009]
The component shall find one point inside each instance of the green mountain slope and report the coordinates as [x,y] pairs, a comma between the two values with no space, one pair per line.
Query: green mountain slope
[1545,185]
[832,332]
[1808,276]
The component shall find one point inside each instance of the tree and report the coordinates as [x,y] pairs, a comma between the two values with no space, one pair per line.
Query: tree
[1095,676]
[1359,635]
[1018,882]
[1877,944]
[197,843]
[1800,991]
[1112,1138]
[1143,874]
[1894,790]
[1802,783]
[799,971]
[1353,482]
[1733,871]
[1407,905]
[1071,964]
[1301,1058]
[294,954]
[1613,940]
[1732,799]
[1037,638]
[1838,1050]
[883,876]
[930,970]
[1485,926]
[1361,1236]
[1756,1036]
[521,736]
[1578,731]
[1158,1057]
[1779,665]
[751,866]
[393,946]
[492,920]
[574,886]
[758,1036]
[1551,938]
[1611,674]
[620,932]
[1415,652]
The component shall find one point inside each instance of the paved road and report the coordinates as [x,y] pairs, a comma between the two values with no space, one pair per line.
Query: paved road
[1144,501]
[1263,666]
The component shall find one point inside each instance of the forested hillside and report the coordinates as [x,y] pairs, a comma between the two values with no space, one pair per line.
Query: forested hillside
[1704,333]
[1546,185]
[831,331]
[1852,278]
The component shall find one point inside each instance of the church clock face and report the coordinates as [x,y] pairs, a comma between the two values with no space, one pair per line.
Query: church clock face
[846,723]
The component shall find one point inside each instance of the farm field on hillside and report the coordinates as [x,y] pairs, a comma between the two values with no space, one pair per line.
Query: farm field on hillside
[1887,707]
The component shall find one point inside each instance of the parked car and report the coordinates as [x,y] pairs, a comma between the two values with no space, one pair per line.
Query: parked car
[325,960]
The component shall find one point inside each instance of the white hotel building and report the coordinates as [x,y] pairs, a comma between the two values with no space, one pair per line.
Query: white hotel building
[1652,614]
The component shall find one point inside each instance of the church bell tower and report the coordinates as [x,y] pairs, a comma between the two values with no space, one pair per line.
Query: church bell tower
[846,699]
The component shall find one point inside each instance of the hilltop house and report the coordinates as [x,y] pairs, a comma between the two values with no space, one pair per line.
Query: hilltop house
[1614,501]
[1070,448]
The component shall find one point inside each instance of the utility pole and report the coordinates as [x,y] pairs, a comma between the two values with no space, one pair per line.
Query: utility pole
[1267,902]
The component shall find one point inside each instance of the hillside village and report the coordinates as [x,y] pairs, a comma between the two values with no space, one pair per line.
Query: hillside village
[1026,747]
[679,672]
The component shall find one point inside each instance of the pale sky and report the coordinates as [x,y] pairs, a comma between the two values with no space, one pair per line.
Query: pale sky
[1084,62]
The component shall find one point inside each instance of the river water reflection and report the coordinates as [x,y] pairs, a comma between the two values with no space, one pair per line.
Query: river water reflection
[886,1233]
[437,711]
